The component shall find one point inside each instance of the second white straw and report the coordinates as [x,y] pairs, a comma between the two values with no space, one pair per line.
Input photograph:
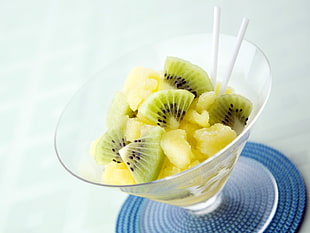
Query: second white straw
[215,43]
[240,37]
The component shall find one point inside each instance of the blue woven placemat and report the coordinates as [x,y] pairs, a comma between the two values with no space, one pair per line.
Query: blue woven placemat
[291,196]
[291,187]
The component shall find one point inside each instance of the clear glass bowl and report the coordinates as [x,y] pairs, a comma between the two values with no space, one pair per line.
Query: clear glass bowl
[198,188]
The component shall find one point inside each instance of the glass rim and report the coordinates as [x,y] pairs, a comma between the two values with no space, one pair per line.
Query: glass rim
[175,176]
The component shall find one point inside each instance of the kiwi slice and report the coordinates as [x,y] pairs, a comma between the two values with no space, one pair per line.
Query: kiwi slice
[119,108]
[184,75]
[144,156]
[109,144]
[232,110]
[166,108]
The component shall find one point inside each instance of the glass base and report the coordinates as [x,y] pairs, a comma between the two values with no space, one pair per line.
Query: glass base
[247,204]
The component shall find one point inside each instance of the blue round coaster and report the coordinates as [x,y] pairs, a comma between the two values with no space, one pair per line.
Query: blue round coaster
[137,214]
[291,186]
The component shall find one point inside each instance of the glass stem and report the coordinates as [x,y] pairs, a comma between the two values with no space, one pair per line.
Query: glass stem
[206,207]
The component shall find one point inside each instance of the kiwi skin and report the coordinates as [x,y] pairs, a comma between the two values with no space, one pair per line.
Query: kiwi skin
[232,110]
[182,74]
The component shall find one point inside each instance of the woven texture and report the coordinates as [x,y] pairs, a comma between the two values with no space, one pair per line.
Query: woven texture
[292,190]
[141,215]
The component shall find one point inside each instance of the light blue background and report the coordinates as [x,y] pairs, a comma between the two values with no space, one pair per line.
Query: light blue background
[49,48]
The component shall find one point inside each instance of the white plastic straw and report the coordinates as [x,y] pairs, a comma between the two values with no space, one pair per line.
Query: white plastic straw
[215,43]
[240,37]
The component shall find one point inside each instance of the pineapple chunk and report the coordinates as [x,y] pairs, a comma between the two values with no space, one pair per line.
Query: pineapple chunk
[140,83]
[199,156]
[93,147]
[213,139]
[117,174]
[168,169]
[190,129]
[193,164]
[176,148]
[164,85]
[205,100]
[228,90]
[133,129]
[201,119]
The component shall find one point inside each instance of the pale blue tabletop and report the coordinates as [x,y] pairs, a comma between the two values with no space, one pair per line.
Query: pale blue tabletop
[48,49]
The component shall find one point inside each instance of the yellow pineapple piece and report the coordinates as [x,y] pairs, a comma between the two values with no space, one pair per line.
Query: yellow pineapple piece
[133,129]
[177,148]
[213,139]
[228,90]
[140,83]
[205,100]
[198,155]
[194,104]
[117,174]
[93,147]
[194,163]
[164,85]
[138,75]
[190,129]
[201,119]
[168,169]
[136,96]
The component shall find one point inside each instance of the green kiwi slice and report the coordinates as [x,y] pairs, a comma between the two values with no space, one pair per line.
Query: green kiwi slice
[232,110]
[166,108]
[144,156]
[118,109]
[109,144]
[184,75]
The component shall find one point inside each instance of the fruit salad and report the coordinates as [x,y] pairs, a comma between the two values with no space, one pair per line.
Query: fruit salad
[163,123]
